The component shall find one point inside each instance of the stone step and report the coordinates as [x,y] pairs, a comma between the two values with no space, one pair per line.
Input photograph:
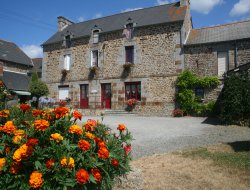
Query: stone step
[118,112]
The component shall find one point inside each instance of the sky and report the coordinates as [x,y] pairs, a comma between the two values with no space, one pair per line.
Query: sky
[29,23]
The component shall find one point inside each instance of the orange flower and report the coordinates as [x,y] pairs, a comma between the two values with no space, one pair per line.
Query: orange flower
[96,174]
[50,164]
[76,129]
[77,115]
[89,135]
[37,113]
[102,144]
[18,136]
[32,142]
[8,127]
[115,162]
[41,124]
[25,107]
[15,167]
[68,162]
[82,176]
[121,127]
[103,153]
[90,125]
[2,163]
[22,153]
[61,112]
[19,132]
[36,180]
[17,139]
[4,113]
[84,145]
[57,137]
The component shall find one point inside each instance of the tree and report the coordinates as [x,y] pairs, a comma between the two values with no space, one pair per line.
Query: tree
[37,88]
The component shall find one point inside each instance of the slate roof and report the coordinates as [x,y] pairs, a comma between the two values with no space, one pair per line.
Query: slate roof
[16,81]
[142,17]
[37,64]
[220,33]
[12,53]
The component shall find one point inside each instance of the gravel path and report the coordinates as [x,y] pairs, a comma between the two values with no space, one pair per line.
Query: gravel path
[160,135]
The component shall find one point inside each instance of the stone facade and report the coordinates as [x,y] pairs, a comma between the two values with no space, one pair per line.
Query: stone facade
[154,67]
[15,67]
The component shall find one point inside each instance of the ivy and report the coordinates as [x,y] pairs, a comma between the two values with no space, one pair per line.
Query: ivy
[186,84]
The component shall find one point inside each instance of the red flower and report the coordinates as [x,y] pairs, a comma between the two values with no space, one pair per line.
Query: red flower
[37,112]
[97,174]
[50,164]
[77,115]
[32,142]
[90,125]
[84,145]
[82,176]
[61,112]
[128,149]
[121,127]
[103,153]
[115,162]
[25,107]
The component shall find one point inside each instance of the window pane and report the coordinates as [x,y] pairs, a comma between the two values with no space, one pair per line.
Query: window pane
[67,60]
[95,58]
[129,54]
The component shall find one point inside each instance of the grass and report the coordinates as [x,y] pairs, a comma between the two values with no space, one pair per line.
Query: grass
[234,159]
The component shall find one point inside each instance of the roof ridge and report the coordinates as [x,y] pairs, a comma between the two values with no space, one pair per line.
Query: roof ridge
[8,42]
[126,12]
[243,21]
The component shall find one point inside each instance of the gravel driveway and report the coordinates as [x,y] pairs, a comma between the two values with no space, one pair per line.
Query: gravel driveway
[159,135]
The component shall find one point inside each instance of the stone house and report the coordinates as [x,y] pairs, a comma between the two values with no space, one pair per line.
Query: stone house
[212,51]
[101,63]
[14,68]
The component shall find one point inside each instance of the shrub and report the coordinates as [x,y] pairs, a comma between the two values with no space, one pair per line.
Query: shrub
[189,103]
[47,149]
[234,102]
[177,113]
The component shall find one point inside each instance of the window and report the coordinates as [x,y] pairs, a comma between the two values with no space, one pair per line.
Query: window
[67,62]
[199,92]
[63,92]
[96,36]
[222,63]
[67,41]
[133,90]
[128,31]
[129,54]
[94,58]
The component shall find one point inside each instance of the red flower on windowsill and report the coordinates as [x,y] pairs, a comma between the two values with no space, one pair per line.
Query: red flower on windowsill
[132,102]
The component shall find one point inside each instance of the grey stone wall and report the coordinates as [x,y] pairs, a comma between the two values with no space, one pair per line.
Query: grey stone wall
[15,67]
[154,66]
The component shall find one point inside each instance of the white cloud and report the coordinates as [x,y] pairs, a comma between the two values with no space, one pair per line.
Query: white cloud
[130,9]
[98,15]
[81,19]
[33,51]
[204,6]
[162,2]
[240,8]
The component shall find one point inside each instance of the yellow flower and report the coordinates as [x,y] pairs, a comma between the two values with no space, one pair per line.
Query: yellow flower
[36,180]
[76,129]
[89,135]
[56,136]
[17,139]
[2,163]
[68,162]
[17,156]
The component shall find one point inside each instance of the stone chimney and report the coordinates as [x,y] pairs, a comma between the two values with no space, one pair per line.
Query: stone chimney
[62,23]
[185,3]
[1,71]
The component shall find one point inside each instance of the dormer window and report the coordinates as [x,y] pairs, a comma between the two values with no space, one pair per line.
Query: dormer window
[96,36]
[67,41]
[128,29]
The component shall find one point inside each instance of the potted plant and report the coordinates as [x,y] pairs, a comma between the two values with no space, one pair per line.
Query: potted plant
[127,65]
[131,104]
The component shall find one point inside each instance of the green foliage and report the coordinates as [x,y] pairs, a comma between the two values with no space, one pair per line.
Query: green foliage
[234,102]
[38,88]
[59,177]
[189,103]
[3,94]
[34,77]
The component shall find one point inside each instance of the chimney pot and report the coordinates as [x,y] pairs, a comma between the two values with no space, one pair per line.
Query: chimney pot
[63,22]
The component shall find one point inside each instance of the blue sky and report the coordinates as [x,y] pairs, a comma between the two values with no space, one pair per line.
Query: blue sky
[29,23]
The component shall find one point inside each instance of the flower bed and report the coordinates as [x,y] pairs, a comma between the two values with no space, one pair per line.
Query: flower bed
[47,149]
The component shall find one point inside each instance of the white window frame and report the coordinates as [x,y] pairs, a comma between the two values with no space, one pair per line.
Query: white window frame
[63,92]
[95,36]
[67,62]
[96,63]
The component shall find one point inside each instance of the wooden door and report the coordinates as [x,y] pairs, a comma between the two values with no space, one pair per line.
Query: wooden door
[84,96]
[106,96]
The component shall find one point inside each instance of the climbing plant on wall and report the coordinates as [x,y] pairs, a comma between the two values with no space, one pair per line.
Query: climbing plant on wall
[189,103]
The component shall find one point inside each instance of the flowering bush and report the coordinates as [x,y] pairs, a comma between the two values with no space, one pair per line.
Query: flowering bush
[132,102]
[177,113]
[47,149]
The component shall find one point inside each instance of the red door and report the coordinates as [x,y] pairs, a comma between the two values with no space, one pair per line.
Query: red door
[106,96]
[84,94]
